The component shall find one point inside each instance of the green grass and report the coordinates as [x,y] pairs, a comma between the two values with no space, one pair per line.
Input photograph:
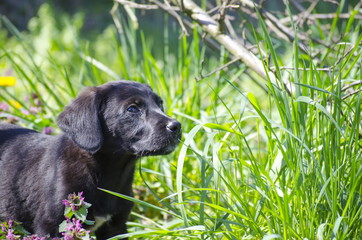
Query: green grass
[252,164]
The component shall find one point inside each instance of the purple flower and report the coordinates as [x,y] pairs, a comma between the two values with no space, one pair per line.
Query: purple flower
[34,110]
[67,237]
[10,223]
[25,112]
[74,225]
[11,235]
[48,130]
[3,106]
[74,230]
[3,228]
[75,201]
[65,202]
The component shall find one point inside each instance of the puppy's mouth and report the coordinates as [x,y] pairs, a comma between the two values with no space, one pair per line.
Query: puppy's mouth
[156,147]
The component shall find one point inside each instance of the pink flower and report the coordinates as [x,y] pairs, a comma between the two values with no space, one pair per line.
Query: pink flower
[3,228]
[74,230]
[66,237]
[10,235]
[74,225]
[10,223]
[3,106]
[48,130]
[25,112]
[65,202]
[75,201]
[34,110]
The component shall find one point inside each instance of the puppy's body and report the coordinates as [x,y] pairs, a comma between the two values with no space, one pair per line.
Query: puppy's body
[106,129]
[35,174]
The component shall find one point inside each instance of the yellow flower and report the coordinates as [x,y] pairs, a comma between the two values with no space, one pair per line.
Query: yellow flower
[7,81]
[15,104]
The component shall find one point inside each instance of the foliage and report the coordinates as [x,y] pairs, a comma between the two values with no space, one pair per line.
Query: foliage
[255,162]
[12,230]
[75,214]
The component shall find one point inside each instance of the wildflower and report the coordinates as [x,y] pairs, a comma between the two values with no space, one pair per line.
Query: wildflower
[11,235]
[3,106]
[10,223]
[8,231]
[74,225]
[75,201]
[7,81]
[15,104]
[48,131]
[25,112]
[3,228]
[34,110]
[75,230]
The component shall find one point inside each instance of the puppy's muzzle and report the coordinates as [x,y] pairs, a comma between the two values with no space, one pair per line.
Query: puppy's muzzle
[174,127]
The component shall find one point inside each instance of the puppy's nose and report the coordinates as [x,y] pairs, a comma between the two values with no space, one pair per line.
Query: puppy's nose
[174,126]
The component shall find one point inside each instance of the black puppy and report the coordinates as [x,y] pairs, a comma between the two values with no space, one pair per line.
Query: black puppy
[106,128]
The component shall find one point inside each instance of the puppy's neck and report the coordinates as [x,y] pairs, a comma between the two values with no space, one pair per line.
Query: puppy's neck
[105,155]
[115,171]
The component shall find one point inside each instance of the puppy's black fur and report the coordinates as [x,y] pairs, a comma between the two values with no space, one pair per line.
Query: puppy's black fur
[106,128]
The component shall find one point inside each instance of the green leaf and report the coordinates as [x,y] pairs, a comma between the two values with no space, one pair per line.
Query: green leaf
[310,101]
[81,213]
[137,201]
[337,225]
[63,226]
[68,212]
[225,210]
[20,229]
[222,128]
[89,222]
[253,101]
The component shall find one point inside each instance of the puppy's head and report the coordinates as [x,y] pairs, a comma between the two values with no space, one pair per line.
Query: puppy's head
[120,117]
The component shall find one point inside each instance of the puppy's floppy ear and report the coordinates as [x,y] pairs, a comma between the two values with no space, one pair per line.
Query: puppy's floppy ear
[80,120]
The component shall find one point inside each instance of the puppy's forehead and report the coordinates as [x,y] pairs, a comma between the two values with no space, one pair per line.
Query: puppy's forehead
[128,89]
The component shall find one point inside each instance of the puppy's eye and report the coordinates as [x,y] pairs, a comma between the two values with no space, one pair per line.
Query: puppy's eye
[133,109]
[160,104]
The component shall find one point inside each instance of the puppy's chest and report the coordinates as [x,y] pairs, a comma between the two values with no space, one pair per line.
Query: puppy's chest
[99,221]
[117,176]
